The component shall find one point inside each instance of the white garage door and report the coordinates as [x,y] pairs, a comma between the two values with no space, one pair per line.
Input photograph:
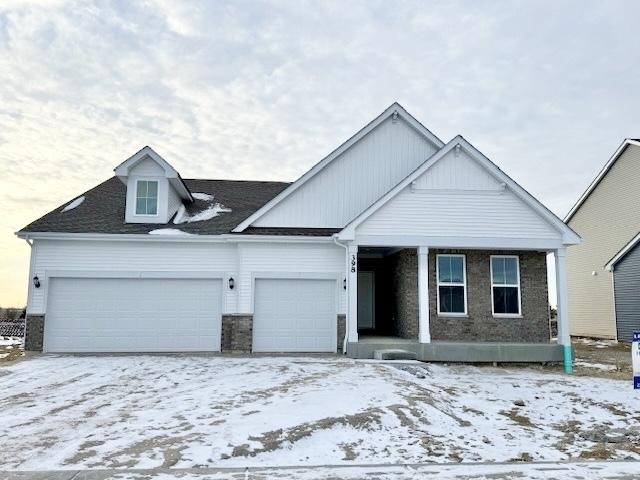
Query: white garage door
[133,315]
[294,315]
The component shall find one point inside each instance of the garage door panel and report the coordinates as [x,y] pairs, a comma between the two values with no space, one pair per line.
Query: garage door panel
[133,315]
[294,315]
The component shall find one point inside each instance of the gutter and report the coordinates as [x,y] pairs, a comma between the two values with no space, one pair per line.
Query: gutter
[346,317]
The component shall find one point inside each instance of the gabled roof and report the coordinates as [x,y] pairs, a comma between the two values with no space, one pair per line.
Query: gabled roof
[622,252]
[102,210]
[122,170]
[568,235]
[601,175]
[394,109]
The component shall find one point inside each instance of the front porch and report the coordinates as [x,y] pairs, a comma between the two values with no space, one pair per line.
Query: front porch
[473,352]
[398,306]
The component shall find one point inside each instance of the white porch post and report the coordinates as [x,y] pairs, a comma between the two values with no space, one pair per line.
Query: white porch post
[564,336]
[352,293]
[424,334]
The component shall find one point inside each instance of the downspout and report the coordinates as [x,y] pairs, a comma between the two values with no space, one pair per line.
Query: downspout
[346,270]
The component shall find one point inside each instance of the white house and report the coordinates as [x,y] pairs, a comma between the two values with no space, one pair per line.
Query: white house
[396,239]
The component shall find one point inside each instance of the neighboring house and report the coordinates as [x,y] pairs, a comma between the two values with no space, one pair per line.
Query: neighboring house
[395,239]
[607,217]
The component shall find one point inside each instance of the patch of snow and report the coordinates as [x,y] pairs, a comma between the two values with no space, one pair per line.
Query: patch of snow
[3,355]
[274,411]
[208,213]
[74,204]
[202,196]
[168,231]
[597,366]
[595,342]
[9,341]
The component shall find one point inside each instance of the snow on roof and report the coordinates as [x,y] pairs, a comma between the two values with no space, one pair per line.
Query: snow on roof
[168,231]
[210,211]
[73,204]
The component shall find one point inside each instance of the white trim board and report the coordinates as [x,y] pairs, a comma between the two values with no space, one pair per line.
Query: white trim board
[592,186]
[568,235]
[394,109]
[623,251]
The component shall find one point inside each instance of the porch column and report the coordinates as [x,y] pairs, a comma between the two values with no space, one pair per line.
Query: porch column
[352,293]
[564,337]
[424,334]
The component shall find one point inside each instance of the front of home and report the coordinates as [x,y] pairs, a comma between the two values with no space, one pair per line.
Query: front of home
[395,239]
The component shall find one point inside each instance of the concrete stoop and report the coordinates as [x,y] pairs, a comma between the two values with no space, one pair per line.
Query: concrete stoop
[394,354]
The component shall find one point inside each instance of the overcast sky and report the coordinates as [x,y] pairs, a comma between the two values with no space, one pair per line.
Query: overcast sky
[263,90]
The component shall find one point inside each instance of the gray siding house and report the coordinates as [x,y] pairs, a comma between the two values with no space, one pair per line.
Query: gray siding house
[607,217]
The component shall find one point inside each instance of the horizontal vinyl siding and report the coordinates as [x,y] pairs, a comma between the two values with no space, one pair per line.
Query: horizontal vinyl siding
[58,255]
[288,258]
[627,295]
[457,213]
[354,180]
[607,220]
[50,255]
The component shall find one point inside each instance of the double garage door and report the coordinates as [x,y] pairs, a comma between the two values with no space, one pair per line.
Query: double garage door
[181,315]
[133,315]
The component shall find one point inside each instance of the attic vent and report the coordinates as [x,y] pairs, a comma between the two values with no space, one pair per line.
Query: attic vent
[394,117]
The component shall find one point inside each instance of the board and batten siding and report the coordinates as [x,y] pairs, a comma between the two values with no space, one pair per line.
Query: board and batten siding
[240,260]
[354,180]
[607,220]
[458,198]
[626,277]
[288,259]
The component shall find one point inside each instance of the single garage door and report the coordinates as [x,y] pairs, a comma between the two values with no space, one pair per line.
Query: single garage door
[294,315]
[133,315]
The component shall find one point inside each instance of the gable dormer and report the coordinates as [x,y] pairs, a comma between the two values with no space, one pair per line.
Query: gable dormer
[155,190]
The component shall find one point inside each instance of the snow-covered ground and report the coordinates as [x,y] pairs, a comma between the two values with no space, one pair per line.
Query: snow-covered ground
[75,412]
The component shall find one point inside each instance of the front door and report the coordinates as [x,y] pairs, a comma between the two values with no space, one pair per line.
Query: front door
[366,300]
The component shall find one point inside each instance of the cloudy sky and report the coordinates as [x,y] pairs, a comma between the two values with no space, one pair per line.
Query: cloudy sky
[263,90]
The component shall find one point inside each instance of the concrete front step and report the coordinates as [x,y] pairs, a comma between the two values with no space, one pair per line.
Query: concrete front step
[393,354]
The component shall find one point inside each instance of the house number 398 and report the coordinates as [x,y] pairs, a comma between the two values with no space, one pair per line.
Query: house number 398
[353,264]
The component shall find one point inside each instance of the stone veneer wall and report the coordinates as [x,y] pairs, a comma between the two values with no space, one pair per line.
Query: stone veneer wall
[342,330]
[480,324]
[404,281]
[34,333]
[237,333]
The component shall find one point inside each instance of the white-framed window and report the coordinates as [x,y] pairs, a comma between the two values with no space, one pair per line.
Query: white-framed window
[147,197]
[451,273]
[505,285]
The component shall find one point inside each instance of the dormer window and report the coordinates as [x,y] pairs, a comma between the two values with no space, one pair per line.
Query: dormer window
[147,197]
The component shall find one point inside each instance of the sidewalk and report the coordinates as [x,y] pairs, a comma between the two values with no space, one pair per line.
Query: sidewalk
[522,471]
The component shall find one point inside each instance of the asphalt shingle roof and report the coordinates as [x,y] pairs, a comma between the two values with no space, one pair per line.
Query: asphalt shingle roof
[102,211]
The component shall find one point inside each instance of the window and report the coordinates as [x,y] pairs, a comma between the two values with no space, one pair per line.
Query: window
[505,285]
[452,288]
[146,197]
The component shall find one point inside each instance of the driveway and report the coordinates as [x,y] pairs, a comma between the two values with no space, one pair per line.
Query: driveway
[82,412]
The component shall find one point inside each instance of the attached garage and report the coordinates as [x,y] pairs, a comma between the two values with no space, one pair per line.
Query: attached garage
[133,315]
[294,315]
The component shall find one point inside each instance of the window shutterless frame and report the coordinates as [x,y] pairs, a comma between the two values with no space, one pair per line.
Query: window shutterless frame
[509,285]
[146,198]
[462,284]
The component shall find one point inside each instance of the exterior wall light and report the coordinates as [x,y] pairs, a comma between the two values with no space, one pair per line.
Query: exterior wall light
[36,282]
[232,283]
[344,283]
